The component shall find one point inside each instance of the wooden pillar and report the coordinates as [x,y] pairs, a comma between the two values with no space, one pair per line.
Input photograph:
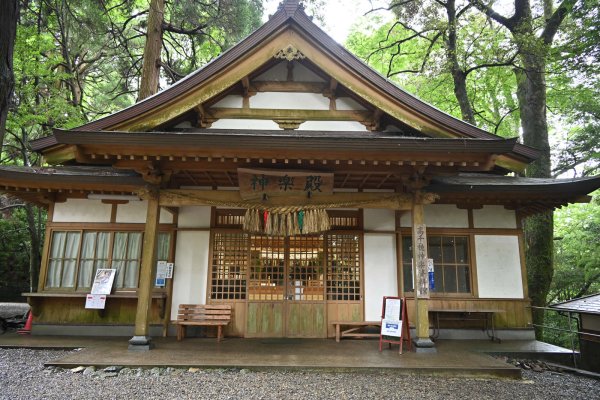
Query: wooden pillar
[141,339]
[421,279]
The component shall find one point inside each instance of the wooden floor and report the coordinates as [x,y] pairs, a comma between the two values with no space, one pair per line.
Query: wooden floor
[452,357]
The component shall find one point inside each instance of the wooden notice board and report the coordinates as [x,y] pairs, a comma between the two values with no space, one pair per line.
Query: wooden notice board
[394,322]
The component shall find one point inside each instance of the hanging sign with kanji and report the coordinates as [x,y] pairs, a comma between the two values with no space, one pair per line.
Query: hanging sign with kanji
[266,183]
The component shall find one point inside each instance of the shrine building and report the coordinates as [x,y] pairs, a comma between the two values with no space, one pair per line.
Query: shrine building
[287,179]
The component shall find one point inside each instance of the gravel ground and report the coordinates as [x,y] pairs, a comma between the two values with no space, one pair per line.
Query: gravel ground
[23,376]
[8,310]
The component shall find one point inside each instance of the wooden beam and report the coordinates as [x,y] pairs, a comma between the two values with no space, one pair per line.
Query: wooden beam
[307,115]
[59,156]
[297,87]
[184,197]
[419,244]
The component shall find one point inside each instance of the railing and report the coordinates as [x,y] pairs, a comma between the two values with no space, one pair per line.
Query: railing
[573,334]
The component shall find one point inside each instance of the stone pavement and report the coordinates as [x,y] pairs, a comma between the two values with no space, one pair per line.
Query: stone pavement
[453,357]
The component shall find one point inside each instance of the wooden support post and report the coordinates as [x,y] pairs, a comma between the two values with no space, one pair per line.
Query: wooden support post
[422,340]
[141,339]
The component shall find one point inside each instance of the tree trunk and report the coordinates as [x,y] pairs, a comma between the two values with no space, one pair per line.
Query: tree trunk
[34,251]
[152,50]
[458,75]
[9,15]
[538,229]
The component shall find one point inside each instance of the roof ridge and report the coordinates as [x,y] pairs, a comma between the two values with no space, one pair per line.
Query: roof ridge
[290,6]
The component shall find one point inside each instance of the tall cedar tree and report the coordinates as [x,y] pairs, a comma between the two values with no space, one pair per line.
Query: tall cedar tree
[152,49]
[9,15]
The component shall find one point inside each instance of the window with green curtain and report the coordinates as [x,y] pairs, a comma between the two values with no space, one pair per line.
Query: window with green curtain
[62,263]
[127,251]
[452,267]
[75,256]
[94,255]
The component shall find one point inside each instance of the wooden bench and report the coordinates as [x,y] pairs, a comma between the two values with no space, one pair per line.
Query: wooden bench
[353,329]
[485,316]
[218,315]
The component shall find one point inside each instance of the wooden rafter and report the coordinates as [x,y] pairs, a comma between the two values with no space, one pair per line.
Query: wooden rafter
[385,178]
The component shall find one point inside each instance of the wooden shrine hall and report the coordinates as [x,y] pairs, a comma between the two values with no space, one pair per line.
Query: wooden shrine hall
[292,182]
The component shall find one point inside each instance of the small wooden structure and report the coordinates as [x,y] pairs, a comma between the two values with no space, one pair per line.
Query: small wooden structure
[355,329]
[202,315]
[484,316]
[588,309]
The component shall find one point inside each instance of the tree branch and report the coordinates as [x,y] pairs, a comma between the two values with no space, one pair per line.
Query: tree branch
[177,29]
[556,20]
[491,13]
[506,63]
[11,207]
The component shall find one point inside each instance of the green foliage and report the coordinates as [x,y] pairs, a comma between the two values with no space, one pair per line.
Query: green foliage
[577,251]
[416,62]
[76,61]
[557,330]
[216,26]
[15,252]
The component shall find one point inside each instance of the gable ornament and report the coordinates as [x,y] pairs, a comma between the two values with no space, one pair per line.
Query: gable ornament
[289,53]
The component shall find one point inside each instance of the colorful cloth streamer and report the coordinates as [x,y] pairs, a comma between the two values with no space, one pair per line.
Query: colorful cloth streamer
[301,220]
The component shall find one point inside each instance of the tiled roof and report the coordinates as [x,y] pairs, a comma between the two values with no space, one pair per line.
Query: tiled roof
[585,305]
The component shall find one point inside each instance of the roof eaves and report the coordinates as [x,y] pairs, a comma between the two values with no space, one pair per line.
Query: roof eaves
[386,85]
[248,139]
[43,143]
[575,304]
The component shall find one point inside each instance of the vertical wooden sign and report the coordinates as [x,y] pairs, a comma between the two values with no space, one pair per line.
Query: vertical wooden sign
[394,322]
[420,257]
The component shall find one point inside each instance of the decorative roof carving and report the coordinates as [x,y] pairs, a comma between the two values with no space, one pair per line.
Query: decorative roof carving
[289,53]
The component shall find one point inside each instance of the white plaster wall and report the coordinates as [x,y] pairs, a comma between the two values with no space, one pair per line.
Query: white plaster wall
[245,124]
[494,217]
[230,101]
[82,210]
[191,269]
[378,220]
[332,126]
[348,103]
[278,73]
[194,217]
[498,266]
[303,74]
[134,212]
[380,272]
[295,101]
[591,322]
[440,216]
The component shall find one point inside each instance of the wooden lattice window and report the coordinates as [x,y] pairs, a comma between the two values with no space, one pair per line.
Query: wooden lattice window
[306,277]
[343,267]
[344,219]
[452,268]
[229,266]
[267,268]
[229,218]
